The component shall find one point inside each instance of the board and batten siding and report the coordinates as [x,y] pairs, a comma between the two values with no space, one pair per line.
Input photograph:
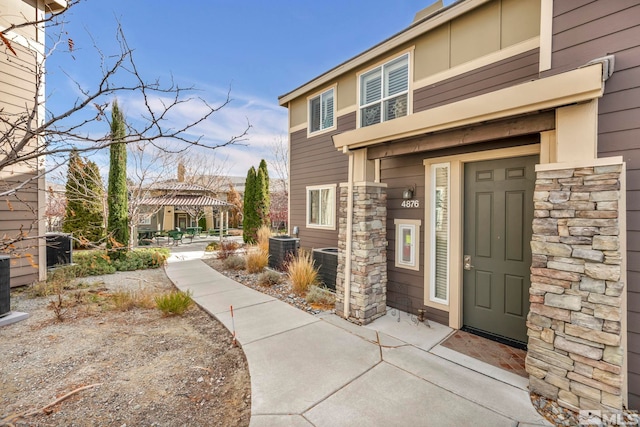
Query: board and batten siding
[405,287]
[582,31]
[508,72]
[315,161]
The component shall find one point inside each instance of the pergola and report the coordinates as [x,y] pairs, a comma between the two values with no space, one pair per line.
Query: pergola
[190,204]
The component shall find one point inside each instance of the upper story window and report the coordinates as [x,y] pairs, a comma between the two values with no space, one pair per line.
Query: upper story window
[384,92]
[321,111]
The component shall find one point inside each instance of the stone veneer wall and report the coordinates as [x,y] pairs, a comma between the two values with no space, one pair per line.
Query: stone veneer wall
[369,253]
[574,323]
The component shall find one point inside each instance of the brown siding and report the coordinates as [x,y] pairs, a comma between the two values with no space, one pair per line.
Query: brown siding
[583,31]
[405,288]
[315,161]
[502,74]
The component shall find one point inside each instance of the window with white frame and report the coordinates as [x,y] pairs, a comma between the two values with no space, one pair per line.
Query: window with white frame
[145,220]
[407,243]
[440,235]
[384,92]
[321,111]
[321,206]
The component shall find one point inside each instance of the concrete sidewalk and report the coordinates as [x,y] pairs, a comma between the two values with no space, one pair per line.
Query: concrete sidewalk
[324,371]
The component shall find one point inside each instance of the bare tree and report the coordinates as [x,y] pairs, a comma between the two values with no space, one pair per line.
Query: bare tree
[205,170]
[279,164]
[30,131]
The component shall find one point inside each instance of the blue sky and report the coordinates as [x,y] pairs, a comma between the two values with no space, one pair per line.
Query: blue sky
[258,49]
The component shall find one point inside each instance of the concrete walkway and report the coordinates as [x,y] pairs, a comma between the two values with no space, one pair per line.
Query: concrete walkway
[324,371]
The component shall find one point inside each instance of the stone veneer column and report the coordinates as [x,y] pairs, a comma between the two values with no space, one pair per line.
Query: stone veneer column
[369,253]
[574,323]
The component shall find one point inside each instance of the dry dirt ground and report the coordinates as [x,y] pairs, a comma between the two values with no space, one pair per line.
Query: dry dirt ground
[141,369]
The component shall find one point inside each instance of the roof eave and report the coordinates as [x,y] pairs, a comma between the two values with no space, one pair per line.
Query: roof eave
[416,29]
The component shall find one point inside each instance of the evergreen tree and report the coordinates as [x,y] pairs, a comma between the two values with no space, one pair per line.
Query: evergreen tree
[84,217]
[251,220]
[118,224]
[264,197]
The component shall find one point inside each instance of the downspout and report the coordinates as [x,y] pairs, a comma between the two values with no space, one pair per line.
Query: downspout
[349,234]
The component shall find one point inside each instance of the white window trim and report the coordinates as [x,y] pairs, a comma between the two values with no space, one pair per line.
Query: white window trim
[145,220]
[432,225]
[414,225]
[333,87]
[332,216]
[407,52]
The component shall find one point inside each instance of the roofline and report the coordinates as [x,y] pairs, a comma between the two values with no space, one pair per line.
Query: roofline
[55,6]
[414,30]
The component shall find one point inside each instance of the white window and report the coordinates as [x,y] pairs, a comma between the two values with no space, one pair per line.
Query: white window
[145,220]
[321,206]
[440,236]
[321,111]
[384,92]
[407,243]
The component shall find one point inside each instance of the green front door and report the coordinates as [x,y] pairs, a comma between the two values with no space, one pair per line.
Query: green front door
[498,207]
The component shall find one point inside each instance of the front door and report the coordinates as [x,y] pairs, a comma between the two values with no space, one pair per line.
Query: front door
[497,230]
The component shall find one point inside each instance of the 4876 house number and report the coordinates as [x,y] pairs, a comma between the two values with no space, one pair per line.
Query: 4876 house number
[410,203]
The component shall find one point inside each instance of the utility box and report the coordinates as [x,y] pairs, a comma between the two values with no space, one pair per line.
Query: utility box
[326,261]
[282,249]
[5,285]
[59,249]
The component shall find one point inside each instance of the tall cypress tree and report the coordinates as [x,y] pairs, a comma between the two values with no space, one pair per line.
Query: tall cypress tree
[118,224]
[264,198]
[84,217]
[251,220]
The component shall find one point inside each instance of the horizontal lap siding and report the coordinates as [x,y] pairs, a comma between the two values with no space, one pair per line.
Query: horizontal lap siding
[19,212]
[583,31]
[502,74]
[315,161]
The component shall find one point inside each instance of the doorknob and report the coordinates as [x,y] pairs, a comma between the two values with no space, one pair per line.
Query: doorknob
[467,262]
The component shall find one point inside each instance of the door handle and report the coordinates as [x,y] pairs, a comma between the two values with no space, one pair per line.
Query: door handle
[466,262]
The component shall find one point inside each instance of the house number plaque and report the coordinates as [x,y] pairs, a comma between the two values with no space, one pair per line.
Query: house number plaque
[412,203]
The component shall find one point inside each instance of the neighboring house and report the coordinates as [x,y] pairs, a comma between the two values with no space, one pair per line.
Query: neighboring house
[22,212]
[56,204]
[181,205]
[483,165]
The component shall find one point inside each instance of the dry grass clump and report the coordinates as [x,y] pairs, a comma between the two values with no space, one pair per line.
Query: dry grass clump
[320,296]
[234,262]
[262,237]
[128,299]
[302,272]
[174,303]
[257,260]
[270,278]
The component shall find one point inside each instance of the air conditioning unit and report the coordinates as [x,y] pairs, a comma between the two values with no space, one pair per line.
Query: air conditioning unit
[59,249]
[326,261]
[281,250]
[5,285]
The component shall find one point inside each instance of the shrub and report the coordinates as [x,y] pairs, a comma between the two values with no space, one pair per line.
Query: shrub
[270,278]
[320,296]
[213,246]
[257,260]
[227,249]
[262,236]
[174,303]
[234,262]
[96,263]
[302,272]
